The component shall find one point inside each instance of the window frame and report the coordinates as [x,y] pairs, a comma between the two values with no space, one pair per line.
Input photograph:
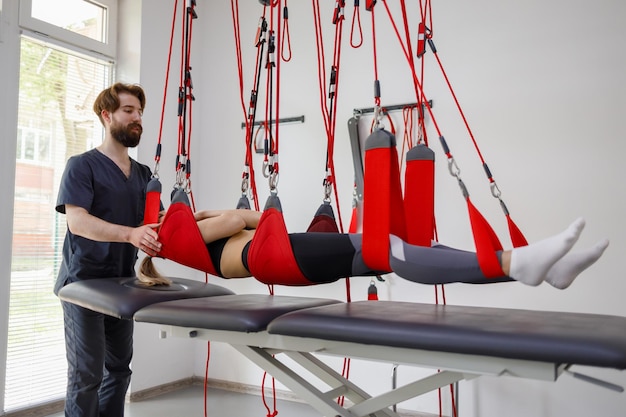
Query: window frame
[107,48]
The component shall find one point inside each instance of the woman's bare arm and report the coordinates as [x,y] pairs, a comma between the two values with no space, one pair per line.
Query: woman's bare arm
[249,217]
[218,224]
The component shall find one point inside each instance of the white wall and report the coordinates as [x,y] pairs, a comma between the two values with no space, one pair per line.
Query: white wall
[542,85]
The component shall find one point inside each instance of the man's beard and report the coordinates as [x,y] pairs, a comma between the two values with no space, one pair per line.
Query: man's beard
[126,135]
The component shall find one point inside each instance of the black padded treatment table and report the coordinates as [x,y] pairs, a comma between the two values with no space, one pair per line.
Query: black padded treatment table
[459,342]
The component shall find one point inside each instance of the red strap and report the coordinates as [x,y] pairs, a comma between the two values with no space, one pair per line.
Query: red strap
[517,237]
[383,210]
[271,259]
[487,243]
[354,220]
[324,220]
[182,241]
[419,195]
[153,202]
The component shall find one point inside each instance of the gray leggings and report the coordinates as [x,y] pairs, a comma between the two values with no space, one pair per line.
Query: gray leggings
[327,257]
[438,264]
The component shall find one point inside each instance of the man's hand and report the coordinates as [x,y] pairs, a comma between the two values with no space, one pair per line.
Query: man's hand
[146,238]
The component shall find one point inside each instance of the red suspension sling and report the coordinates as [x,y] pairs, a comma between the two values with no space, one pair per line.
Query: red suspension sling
[180,237]
[270,258]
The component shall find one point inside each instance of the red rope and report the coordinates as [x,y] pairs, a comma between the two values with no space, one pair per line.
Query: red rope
[157,156]
[269,412]
[321,64]
[458,106]
[206,378]
[329,113]
[375,61]
[356,19]
[278,66]
[286,35]
[248,113]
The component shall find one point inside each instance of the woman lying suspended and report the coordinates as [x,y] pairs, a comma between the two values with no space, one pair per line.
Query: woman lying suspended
[235,249]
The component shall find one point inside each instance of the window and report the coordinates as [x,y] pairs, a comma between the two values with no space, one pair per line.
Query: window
[57,87]
[87,19]
[33,145]
[90,25]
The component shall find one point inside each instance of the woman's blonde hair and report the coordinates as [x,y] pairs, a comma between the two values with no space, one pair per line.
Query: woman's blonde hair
[148,274]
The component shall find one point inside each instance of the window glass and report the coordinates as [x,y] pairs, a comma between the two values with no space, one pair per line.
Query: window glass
[55,121]
[78,16]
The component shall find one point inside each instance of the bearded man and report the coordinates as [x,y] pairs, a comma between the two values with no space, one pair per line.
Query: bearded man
[102,194]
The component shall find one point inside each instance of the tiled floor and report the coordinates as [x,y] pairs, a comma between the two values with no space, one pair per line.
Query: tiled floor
[188,402]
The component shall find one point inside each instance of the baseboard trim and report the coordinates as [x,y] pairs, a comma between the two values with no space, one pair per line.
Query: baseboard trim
[284,395]
[161,389]
[39,410]
[57,406]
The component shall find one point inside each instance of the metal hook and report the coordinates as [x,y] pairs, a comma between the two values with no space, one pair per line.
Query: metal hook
[327,189]
[454,169]
[273,181]
[378,117]
[495,191]
[266,169]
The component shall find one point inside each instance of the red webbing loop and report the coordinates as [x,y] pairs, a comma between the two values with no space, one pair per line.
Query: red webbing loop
[383,209]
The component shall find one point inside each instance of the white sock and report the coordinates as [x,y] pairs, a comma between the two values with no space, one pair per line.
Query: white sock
[563,273]
[530,264]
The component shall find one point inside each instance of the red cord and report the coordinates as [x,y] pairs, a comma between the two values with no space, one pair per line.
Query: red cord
[356,19]
[286,35]
[157,156]
[206,378]
[458,106]
[376,99]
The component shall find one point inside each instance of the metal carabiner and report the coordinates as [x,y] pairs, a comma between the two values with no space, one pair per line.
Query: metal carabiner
[453,168]
[180,178]
[273,181]
[328,187]
[155,174]
[495,191]
[378,117]
[266,169]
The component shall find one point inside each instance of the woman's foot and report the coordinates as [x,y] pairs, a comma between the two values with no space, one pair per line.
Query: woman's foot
[530,264]
[566,269]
